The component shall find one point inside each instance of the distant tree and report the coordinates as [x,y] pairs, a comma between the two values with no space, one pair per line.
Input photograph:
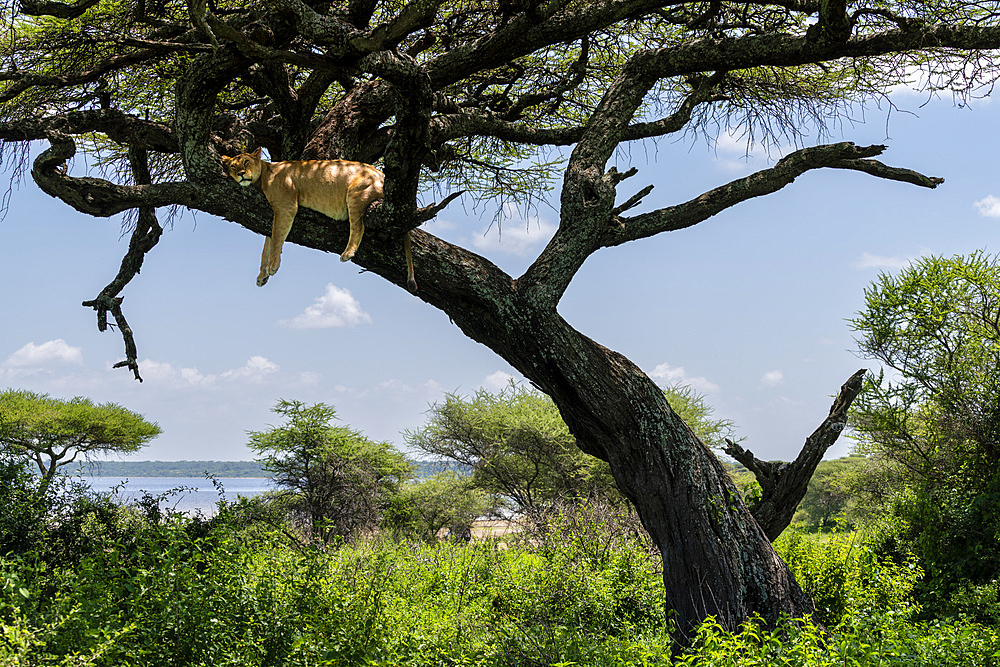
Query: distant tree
[446,500]
[521,451]
[53,432]
[933,427]
[829,497]
[339,481]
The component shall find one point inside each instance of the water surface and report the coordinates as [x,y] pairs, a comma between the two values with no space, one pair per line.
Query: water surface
[183,494]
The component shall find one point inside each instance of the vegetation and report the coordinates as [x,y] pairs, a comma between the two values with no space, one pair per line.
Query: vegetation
[344,567]
[521,452]
[933,431]
[896,546]
[53,433]
[129,586]
[336,481]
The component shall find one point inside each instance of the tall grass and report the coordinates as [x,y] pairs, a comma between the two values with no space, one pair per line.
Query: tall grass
[183,592]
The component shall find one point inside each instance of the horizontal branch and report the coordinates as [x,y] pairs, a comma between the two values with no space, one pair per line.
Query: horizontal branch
[23,80]
[97,196]
[790,50]
[60,10]
[116,125]
[876,168]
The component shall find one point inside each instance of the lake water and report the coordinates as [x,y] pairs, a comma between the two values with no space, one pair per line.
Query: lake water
[184,494]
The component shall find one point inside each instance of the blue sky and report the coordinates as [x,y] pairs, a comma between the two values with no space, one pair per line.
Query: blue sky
[749,308]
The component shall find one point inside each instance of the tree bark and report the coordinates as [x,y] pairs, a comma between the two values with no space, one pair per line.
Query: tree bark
[716,559]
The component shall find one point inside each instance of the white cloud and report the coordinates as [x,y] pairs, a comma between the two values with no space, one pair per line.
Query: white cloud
[336,308]
[989,206]
[56,351]
[671,375]
[156,372]
[870,261]
[515,238]
[160,372]
[772,378]
[255,369]
[497,381]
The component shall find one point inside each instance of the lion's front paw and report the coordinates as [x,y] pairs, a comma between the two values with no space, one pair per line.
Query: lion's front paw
[347,256]
[262,279]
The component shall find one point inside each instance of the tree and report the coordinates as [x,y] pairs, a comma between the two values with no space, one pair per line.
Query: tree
[934,430]
[521,451]
[338,481]
[474,93]
[938,324]
[53,432]
[446,500]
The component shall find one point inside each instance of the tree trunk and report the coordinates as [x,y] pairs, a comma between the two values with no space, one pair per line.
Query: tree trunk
[717,561]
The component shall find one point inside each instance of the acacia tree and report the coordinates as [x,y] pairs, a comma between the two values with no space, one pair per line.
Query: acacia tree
[336,480]
[53,433]
[468,92]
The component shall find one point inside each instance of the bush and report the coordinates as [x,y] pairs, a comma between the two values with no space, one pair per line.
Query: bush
[225,591]
[956,540]
[844,574]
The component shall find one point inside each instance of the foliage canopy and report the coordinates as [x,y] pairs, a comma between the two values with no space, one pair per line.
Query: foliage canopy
[339,481]
[934,425]
[53,432]
[521,451]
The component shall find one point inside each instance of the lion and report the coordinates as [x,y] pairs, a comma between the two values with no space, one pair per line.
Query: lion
[339,189]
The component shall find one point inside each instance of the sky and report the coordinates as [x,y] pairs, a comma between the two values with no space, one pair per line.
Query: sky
[750,308]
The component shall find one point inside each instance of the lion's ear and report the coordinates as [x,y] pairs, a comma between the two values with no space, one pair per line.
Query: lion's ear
[225,159]
[256,153]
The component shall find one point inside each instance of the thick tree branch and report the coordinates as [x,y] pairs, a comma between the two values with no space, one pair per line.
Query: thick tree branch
[116,125]
[60,10]
[410,141]
[416,15]
[530,31]
[783,485]
[843,155]
[97,196]
[259,52]
[782,49]
[341,39]
[588,193]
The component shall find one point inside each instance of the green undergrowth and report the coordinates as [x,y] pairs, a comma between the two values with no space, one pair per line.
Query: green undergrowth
[184,592]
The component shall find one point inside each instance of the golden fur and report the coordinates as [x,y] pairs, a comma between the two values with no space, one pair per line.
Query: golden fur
[339,189]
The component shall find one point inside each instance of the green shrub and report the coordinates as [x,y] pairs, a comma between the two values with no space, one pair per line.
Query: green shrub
[843,574]
[956,541]
[193,591]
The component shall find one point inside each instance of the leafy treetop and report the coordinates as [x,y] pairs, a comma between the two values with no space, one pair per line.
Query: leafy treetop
[54,432]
